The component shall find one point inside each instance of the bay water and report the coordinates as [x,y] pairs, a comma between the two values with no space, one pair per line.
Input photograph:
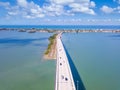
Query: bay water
[95,55]
[22,66]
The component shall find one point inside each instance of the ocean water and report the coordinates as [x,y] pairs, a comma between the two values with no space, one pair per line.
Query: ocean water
[95,55]
[67,27]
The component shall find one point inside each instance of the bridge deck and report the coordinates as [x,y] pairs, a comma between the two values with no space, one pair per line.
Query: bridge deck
[64,79]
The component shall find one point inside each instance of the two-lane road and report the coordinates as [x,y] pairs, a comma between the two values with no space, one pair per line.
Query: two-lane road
[64,79]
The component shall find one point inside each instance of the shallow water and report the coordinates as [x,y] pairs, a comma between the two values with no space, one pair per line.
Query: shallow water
[21,64]
[97,58]
[95,55]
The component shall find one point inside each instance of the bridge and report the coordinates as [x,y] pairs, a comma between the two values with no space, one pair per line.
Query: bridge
[64,78]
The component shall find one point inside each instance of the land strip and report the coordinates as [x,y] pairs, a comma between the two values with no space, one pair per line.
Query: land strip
[33,30]
[50,52]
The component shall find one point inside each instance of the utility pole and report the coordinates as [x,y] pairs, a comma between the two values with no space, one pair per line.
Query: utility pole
[77,85]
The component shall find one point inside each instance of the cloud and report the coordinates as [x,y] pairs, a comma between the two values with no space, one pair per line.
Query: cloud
[26,9]
[107,9]
[5,4]
[53,10]
[62,1]
[81,21]
[118,1]
[12,13]
[81,8]
[92,4]
[22,3]
[117,9]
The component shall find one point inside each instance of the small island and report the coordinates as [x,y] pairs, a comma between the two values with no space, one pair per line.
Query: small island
[50,52]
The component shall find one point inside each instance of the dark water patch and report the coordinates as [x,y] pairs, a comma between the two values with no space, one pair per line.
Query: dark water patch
[114,36]
[76,77]
[21,42]
[43,45]
[67,27]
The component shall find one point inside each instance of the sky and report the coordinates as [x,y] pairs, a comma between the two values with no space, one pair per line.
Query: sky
[59,12]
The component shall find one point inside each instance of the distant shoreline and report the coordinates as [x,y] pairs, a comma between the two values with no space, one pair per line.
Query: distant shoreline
[33,30]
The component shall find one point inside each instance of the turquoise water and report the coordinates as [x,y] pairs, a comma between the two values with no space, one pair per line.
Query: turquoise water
[97,58]
[95,55]
[21,64]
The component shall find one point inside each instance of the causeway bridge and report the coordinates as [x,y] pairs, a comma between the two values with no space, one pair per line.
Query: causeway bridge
[64,78]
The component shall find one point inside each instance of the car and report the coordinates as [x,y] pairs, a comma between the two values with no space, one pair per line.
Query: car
[66,79]
[60,63]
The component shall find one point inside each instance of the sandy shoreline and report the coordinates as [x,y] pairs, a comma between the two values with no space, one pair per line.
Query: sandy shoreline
[52,51]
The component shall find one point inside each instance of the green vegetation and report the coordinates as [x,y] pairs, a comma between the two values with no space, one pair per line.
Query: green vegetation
[51,40]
